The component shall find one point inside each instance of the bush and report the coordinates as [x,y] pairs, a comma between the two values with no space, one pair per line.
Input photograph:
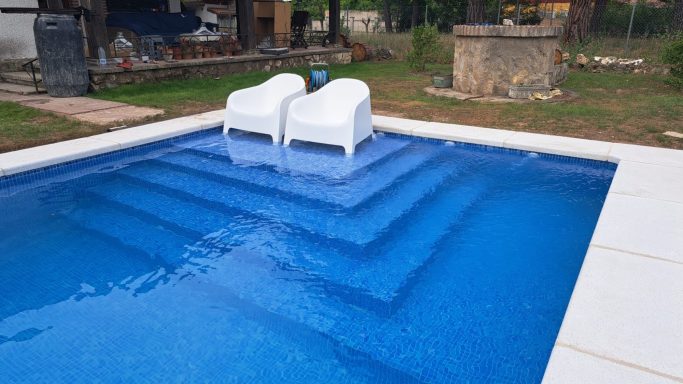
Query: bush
[673,54]
[426,47]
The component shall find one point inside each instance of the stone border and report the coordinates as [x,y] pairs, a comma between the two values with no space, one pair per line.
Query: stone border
[506,31]
[624,322]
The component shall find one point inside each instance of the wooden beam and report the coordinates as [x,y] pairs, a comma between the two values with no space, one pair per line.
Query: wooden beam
[245,24]
[96,28]
[334,20]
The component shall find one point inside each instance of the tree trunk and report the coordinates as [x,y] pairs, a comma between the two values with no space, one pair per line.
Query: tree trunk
[598,14]
[387,17]
[415,16]
[677,21]
[475,11]
[578,21]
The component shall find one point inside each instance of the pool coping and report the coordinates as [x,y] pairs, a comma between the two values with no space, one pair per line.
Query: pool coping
[624,322]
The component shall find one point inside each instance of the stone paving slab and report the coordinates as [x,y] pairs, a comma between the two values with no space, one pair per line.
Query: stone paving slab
[121,114]
[100,112]
[69,105]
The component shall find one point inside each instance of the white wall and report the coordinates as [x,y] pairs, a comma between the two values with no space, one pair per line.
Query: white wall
[173,6]
[16,31]
[207,16]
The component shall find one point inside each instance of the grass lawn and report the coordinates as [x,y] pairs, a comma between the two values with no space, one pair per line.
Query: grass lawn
[22,127]
[611,106]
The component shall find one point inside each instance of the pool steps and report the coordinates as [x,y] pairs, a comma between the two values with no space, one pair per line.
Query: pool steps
[382,175]
[376,218]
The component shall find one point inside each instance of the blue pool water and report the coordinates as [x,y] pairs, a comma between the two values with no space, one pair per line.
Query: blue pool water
[228,259]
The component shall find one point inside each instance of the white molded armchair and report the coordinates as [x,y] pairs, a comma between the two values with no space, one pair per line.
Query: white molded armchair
[263,108]
[337,114]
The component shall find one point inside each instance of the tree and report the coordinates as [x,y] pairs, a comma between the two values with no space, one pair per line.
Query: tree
[598,15]
[677,20]
[366,22]
[475,11]
[578,20]
[387,16]
[415,14]
[316,10]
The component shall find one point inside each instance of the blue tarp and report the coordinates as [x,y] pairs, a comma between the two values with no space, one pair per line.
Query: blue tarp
[154,23]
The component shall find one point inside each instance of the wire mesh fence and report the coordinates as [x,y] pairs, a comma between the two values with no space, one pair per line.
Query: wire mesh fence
[615,27]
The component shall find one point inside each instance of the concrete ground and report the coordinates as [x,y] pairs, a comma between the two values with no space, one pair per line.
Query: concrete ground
[100,112]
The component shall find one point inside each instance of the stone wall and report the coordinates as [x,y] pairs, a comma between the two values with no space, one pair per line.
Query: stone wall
[489,59]
[16,31]
[186,69]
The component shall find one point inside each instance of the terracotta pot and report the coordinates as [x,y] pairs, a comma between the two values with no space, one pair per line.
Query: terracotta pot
[187,56]
[177,53]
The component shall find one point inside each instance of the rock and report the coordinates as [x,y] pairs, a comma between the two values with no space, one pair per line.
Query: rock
[565,56]
[608,60]
[266,68]
[508,22]
[581,59]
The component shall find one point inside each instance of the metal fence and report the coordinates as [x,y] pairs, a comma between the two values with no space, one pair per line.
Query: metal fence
[616,27]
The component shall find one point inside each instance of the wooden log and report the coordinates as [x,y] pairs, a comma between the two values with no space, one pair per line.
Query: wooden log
[361,52]
[558,57]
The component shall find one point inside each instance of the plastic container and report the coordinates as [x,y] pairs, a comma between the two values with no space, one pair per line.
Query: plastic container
[59,44]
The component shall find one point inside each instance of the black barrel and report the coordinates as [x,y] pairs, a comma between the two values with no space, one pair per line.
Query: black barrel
[59,43]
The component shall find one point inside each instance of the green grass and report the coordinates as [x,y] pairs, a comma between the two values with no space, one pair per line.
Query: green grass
[611,106]
[179,96]
[22,127]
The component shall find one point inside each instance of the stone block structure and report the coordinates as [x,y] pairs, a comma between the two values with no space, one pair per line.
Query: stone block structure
[490,59]
[109,77]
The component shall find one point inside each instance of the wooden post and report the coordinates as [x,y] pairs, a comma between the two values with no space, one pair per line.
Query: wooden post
[96,28]
[54,4]
[245,24]
[334,20]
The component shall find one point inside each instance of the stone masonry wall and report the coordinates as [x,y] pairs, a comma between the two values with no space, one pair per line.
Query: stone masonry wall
[489,59]
[101,78]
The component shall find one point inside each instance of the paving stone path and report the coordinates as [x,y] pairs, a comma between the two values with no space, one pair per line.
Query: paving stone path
[100,112]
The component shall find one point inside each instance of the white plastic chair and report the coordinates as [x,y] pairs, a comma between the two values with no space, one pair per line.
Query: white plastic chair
[337,114]
[263,108]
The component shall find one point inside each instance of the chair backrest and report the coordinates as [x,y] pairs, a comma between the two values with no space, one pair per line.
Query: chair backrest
[283,84]
[347,91]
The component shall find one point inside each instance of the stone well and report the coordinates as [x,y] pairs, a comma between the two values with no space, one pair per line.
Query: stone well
[490,59]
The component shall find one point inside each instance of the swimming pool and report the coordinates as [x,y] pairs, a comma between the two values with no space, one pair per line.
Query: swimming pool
[230,259]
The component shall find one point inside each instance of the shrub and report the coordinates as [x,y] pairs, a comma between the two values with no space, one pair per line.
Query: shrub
[673,54]
[426,47]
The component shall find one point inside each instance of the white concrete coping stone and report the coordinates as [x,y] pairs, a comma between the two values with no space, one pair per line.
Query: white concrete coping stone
[569,366]
[624,322]
[46,155]
[396,125]
[649,180]
[627,309]
[642,226]
[464,133]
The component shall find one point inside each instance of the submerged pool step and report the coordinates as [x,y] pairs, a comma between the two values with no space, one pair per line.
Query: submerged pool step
[373,282]
[361,227]
[158,243]
[301,158]
[343,195]
[294,251]
[291,296]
